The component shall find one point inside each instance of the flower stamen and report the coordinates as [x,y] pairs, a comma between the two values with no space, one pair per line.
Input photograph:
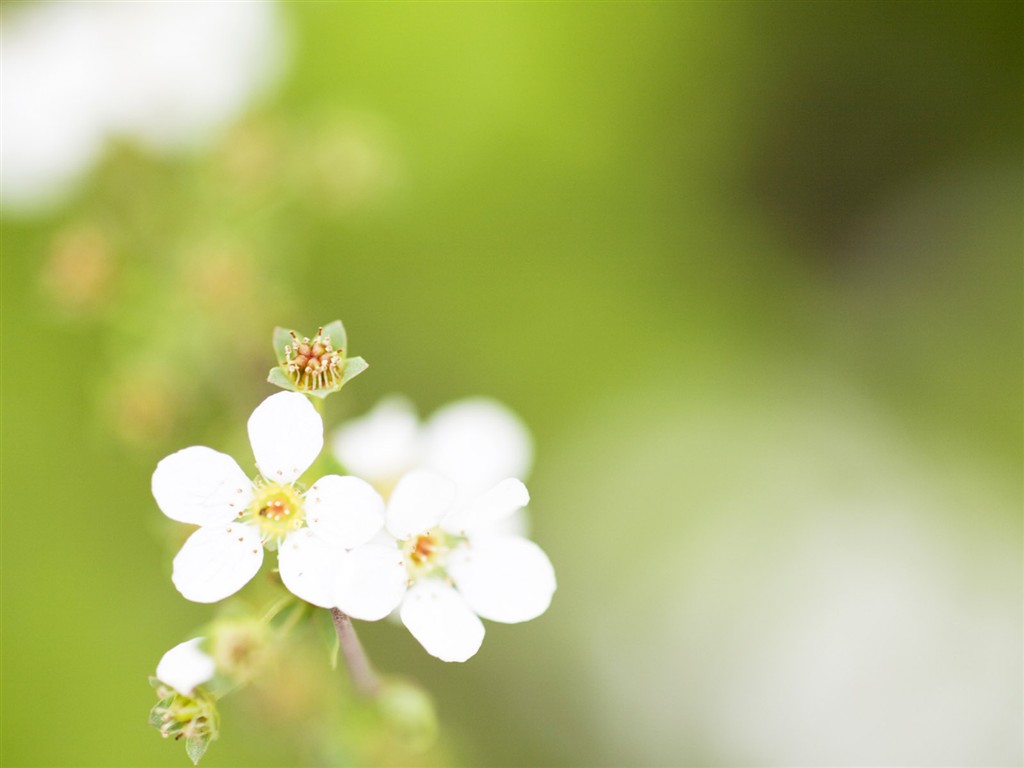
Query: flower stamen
[276,510]
[314,363]
[425,552]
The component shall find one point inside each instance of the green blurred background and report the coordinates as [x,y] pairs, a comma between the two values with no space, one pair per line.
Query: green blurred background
[751,272]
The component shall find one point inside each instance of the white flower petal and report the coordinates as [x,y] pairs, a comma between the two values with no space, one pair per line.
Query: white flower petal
[185,666]
[345,509]
[516,524]
[371,582]
[286,434]
[486,510]
[307,563]
[418,503]
[504,578]
[442,621]
[217,561]
[476,442]
[383,539]
[201,486]
[383,444]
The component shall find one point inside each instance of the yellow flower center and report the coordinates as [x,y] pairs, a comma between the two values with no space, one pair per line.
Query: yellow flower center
[277,510]
[426,552]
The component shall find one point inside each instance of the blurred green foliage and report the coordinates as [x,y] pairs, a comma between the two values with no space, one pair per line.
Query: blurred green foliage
[634,223]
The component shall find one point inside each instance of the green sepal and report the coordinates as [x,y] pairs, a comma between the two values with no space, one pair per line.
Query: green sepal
[278,378]
[336,333]
[321,393]
[353,367]
[155,719]
[282,338]
[195,747]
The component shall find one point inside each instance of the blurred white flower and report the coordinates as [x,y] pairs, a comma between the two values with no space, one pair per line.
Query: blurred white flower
[238,517]
[820,592]
[382,445]
[185,666]
[163,74]
[476,443]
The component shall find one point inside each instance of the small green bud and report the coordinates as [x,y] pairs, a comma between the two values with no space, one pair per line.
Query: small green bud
[240,647]
[408,715]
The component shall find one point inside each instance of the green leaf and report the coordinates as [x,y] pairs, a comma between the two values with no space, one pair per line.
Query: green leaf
[195,747]
[353,367]
[336,332]
[278,378]
[282,337]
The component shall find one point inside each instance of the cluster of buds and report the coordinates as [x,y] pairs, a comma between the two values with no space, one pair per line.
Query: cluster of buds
[313,363]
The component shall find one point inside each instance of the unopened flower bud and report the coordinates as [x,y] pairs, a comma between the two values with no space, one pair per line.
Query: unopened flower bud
[185,709]
[240,647]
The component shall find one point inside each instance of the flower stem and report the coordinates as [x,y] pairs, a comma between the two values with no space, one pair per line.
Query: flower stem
[276,608]
[359,668]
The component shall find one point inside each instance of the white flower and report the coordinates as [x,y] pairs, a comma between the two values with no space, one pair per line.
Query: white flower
[382,445]
[455,512]
[185,666]
[475,443]
[166,75]
[458,569]
[238,516]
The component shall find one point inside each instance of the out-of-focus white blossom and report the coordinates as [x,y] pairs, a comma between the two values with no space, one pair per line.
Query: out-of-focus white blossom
[166,75]
[476,443]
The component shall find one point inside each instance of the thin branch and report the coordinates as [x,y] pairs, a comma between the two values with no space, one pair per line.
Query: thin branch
[359,668]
